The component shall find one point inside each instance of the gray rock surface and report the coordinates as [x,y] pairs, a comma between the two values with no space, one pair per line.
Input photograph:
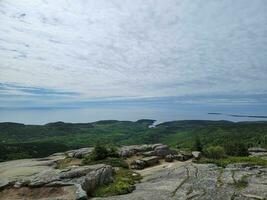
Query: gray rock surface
[33,179]
[33,176]
[96,178]
[79,153]
[146,150]
[186,181]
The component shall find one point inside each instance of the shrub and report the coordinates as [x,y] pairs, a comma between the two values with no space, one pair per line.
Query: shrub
[215,152]
[124,181]
[197,145]
[241,183]
[99,153]
[114,162]
[236,149]
[112,152]
[104,155]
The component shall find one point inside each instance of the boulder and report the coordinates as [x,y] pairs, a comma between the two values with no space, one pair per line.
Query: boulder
[77,172]
[152,160]
[163,150]
[169,158]
[96,178]
[153,146]
[144,162]
[149,153]
[186,155]
[257,150]
[179,157]
[146,150]
[138,164]
[127,151]
[196,154]
[79,153]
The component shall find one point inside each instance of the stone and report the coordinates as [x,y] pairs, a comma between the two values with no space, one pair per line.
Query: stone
[31,175]
[163,150]
[179,157]
[196,154]
[79,153]
[186,155]
[77,172]
[144,162]
[145,150]
[149,153]
[257,150]
[138,164]
[156,145]
[169,158]
[150,161]
[97,178]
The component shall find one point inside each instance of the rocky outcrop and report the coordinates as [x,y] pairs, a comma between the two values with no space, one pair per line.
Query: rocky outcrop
[127,151]
[189,181]
[79,153]
[196,154]
[144,162]
[181,156]
[77,181]
[163,150]
[33,179]
[258,152]
[146,150]
[96,178]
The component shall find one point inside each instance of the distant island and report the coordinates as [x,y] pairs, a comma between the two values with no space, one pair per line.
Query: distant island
[236,115]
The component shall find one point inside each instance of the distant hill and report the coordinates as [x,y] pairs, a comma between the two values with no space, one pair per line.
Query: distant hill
[22,141]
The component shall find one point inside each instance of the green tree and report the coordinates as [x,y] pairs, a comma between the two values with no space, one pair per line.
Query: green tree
[215,152]
[236,149]
[197,145]
[100,152]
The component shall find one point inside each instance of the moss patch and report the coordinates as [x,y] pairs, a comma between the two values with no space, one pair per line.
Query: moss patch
[63,163]
[242,183]
[66,162]
[124,181]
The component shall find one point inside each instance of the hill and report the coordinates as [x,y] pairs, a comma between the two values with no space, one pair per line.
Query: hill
[26,141]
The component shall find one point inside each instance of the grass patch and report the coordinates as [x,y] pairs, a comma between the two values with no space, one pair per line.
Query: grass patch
[124,181]
[63,163]
[223,162]
[114,162]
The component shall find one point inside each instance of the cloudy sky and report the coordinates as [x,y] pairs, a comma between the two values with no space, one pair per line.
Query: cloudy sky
[65,53]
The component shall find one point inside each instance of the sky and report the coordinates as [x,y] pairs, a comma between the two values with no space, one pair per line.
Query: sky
[141,59]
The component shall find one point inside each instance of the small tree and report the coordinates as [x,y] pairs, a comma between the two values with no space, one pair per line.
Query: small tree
[215,152]
[99,153]
[236,149]
[197,145]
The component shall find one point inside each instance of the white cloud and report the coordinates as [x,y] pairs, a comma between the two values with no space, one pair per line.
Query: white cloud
[138,48]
